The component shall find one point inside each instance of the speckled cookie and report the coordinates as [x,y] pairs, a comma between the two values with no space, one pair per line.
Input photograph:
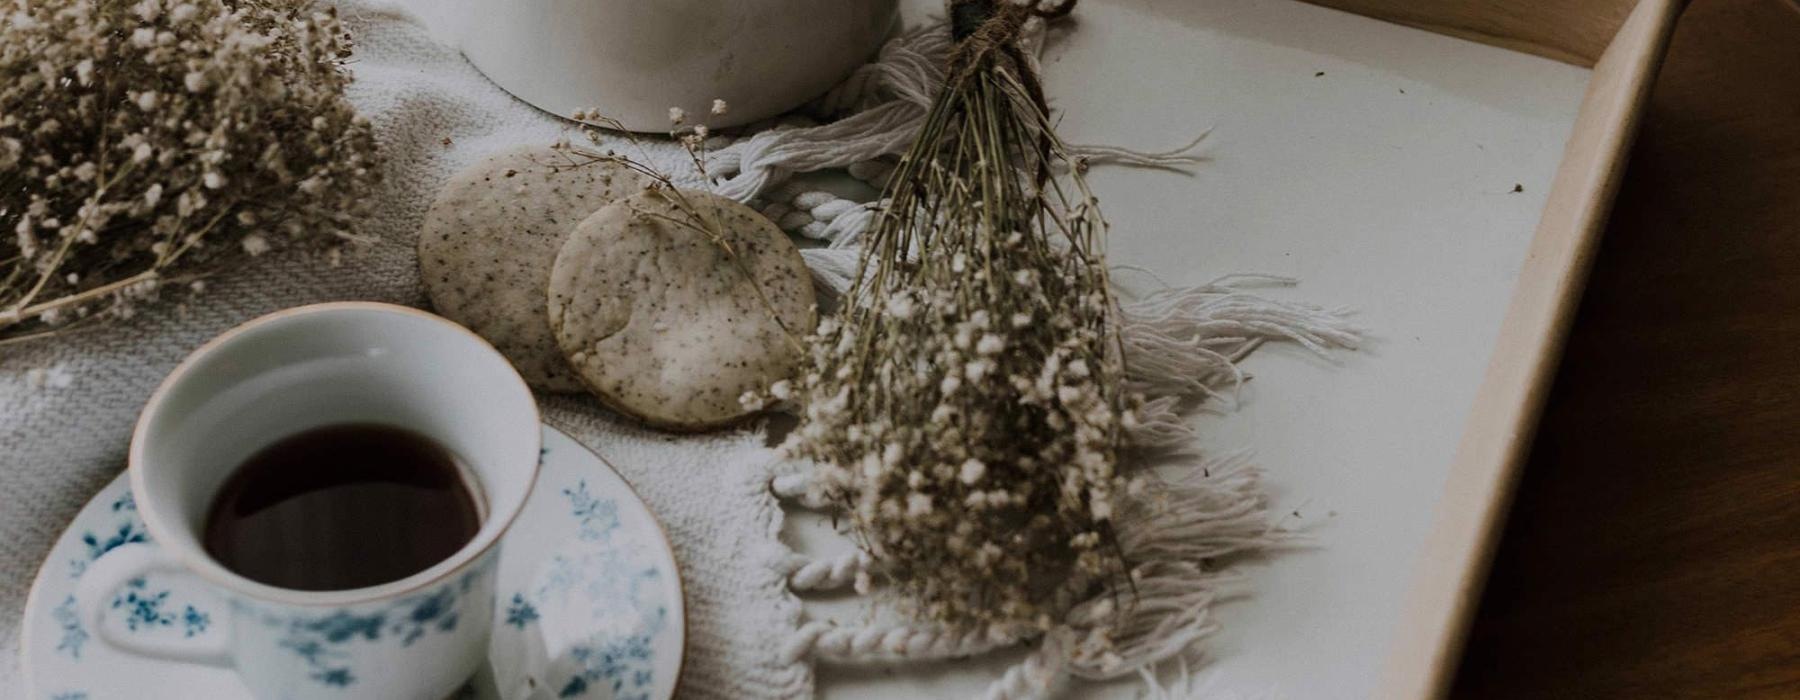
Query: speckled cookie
[659,321]
[488,242]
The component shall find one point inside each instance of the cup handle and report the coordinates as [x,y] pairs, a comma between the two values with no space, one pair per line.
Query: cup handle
[114,569]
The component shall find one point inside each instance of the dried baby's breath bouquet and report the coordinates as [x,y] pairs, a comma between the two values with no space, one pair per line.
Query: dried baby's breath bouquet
[142,140]
[965,406]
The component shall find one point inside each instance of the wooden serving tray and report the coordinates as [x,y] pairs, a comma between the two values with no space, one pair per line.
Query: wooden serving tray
[1443,166]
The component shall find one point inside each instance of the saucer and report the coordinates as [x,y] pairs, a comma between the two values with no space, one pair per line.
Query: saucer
[589,602]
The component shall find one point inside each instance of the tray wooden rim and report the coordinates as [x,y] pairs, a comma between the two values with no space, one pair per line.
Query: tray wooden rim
[1447,580]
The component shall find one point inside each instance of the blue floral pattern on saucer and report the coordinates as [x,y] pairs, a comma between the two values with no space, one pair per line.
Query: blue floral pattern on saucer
[588,605]
[583,586]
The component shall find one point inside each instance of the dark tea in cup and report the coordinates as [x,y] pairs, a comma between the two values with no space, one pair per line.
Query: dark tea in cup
[342,506]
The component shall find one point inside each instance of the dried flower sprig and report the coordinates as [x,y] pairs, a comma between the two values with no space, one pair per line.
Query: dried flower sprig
[965,407]
[143,142]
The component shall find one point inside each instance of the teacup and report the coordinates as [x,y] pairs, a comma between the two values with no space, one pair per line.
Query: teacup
[420,637]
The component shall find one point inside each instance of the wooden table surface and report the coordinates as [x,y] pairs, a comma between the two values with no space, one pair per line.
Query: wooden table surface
[1653,550]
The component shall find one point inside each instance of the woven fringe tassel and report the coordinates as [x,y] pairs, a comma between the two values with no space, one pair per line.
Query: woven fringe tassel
[1171,533]
[1186,685]
[1182,344]
[832,269]
[887,101]
[1216,510]
[1171,610]
[1040,675]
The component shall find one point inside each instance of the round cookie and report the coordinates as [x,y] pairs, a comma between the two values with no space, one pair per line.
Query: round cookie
[490,238]
[660,321]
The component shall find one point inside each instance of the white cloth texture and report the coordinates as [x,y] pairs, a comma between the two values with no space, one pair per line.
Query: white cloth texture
[434,113]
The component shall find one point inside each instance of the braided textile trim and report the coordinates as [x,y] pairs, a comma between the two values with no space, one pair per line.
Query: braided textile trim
[827,642]
[1039,676]
[849,568]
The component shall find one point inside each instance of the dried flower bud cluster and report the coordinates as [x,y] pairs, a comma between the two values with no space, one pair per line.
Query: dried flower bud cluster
[964,407]
[141,140]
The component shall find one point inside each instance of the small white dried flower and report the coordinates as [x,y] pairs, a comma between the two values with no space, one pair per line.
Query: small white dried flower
[1100,504]
[900,306]
[255,244]
[719,107]
[677,115]
[971,472]
[918,505]
[964,337]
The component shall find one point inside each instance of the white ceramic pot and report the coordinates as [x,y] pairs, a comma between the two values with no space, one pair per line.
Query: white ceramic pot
[634,59]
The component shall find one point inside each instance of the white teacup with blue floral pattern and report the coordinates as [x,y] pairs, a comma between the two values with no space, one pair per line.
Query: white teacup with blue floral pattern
[418,638]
